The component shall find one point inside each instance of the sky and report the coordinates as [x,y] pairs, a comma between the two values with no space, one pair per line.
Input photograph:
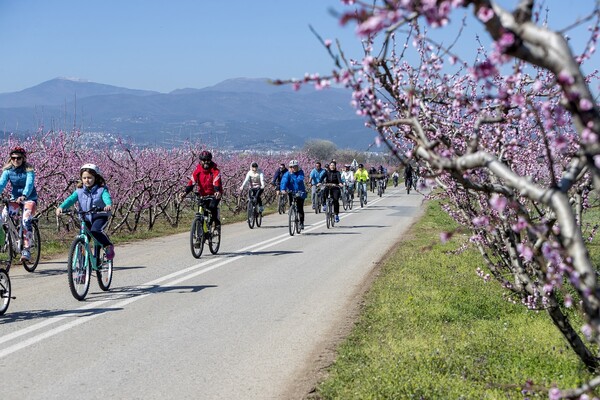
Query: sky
[166,45]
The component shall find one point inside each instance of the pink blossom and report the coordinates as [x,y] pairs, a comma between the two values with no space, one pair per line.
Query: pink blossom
[564,78]
[498,202]
[445,236]
[585,104]
[485,14]
[525,252]
[481,221]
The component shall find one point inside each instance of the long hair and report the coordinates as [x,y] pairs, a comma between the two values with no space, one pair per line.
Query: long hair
[28,167]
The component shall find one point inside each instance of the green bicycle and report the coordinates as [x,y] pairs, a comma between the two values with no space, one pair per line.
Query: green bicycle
[203,229]
[87,255]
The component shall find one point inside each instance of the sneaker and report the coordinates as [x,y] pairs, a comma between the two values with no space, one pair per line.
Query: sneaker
[110,252]
[337,218]
[261,209]
[25,255]
[324,208]
[301,226]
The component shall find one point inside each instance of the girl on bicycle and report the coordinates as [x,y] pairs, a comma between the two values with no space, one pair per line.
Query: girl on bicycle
[293,182]
[21,176]
[256,183]
[92,192]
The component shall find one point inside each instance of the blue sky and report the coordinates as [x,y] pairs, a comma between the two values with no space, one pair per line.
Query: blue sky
[165,45]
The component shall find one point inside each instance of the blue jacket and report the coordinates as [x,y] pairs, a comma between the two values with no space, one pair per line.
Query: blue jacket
[317,176]
[21,182]
[294,182]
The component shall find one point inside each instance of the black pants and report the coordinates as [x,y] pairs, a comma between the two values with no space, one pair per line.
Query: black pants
[212,206]
[300,202]
[335,194]
[96,228]
[257,192]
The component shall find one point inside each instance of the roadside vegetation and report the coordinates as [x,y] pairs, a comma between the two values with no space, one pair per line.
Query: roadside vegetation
[431,328]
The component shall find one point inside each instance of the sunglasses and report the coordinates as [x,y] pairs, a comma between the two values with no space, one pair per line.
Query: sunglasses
[16,158]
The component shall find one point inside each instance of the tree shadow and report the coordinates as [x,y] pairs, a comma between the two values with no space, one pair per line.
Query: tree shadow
[260,253]
[29,315]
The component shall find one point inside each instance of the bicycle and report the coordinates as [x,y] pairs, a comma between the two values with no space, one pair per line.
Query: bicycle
[408,183]
[348,196]
[316,199]
[395,179]
[203,229]
[281,203]
[86,255]
[5,261]
[13,229]
[362,194]
[293,216]
[380,188]
[329,212]
[253,210]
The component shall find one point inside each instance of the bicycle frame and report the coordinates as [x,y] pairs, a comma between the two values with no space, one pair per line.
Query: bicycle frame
[84,233]
[14,229]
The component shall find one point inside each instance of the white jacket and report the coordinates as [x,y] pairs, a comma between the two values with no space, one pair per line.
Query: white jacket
[256,179]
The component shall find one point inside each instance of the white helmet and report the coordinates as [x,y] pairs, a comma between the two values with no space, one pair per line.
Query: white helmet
[93,167]
[294,163]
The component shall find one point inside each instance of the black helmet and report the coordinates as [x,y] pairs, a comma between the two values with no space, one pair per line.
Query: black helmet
[254,164]
[206,156]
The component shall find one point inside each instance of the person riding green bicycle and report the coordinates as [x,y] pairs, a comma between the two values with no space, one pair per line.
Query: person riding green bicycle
[293,183]
[208,179]
[21,176]
[92,193]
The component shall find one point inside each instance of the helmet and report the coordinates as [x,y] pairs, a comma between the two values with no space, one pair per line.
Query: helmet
[254,164]
[18,150]
[206,155]
[347,166]
[92,167]
[294,163]
[360,166]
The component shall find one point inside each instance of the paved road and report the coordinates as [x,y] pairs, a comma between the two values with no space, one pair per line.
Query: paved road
[240,325]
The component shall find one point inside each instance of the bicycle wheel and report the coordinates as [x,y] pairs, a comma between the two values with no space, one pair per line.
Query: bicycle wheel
[258,216]
[6,255]
[78,269]
[197,237]
[345,201]
[351,201]
[361,197]
[5,291]
[293,217]
[35,246]
[328,215]
[214,239]
[104,273]
[281,207]
[250,213]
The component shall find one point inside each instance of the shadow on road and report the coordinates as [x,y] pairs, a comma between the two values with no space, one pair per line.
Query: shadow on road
[260,253]
[45,314]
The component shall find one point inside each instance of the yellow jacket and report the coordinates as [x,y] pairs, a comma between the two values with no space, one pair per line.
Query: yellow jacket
[361,176]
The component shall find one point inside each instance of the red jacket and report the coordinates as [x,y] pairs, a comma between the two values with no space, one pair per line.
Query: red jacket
[208,180]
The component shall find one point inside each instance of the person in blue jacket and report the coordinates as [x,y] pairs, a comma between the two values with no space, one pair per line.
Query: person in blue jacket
[91,193]
[316,177]
[293,182]
[21,176]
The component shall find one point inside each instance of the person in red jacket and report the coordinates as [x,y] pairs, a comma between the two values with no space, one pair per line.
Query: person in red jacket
[208,179]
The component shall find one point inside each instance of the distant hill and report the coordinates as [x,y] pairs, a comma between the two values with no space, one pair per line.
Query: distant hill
[237,113]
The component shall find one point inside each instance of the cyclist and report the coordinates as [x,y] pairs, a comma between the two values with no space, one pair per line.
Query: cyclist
[362,176]
[395,177]
[21,176]
[408,175]
[256,183]
[372,178]
[333,176]
[208,178]
[92,192]
[316,177]
[277,176]
[348,179]
[292,183]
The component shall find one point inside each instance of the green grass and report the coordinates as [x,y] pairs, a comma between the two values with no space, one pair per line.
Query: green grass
[432,329]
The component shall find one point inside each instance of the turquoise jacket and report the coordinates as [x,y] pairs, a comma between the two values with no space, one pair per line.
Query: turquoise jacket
[88,198]
[21,181]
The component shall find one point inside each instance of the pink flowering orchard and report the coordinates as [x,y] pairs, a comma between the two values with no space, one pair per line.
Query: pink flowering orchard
[508,136]
[143,182]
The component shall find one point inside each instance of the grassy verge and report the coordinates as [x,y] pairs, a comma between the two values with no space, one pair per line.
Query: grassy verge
[432,329]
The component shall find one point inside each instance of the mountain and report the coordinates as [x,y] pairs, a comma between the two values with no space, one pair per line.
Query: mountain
[237,114]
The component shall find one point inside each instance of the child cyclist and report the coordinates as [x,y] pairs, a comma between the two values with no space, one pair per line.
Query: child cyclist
[21,176]
[92,192]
